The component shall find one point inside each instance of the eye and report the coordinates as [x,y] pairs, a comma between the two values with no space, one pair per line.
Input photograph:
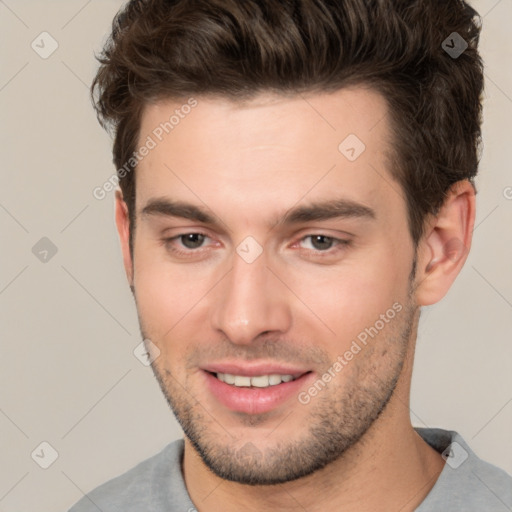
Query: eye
[191,242]
[319,242]
[323,243]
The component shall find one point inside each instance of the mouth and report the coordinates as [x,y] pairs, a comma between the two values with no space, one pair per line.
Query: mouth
[257,381]
[255,391]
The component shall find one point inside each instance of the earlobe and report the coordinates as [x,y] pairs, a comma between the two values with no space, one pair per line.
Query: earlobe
[123,229]
[445,245]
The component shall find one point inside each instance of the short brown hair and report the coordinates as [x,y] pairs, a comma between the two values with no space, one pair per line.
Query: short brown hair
[164,49]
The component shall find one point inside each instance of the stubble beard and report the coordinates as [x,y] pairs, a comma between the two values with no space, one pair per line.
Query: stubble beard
[338,417]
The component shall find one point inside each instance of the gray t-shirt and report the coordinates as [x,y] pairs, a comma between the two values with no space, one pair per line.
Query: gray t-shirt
[156,485]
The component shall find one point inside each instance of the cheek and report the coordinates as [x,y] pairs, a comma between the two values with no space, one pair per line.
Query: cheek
[351,297]
[164,292]
[165,306]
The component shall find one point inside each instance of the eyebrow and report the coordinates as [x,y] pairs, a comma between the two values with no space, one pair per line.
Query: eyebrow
[325,210]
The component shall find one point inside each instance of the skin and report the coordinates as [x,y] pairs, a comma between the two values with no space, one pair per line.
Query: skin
[247,164]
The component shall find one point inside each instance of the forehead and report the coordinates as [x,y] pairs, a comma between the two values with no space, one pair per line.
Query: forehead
[269,119]
[271,150]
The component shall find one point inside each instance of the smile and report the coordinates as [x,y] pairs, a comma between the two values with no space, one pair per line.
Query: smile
[257,393]
[258,381]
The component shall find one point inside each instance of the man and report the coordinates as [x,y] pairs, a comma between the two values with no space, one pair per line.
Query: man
[296,181]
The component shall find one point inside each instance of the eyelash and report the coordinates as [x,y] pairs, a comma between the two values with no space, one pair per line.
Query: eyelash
[340,244]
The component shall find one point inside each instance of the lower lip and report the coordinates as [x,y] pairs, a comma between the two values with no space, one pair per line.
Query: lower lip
[254,400]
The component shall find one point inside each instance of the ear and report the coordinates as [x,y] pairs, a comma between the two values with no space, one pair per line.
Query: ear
[444,248]
[123,229]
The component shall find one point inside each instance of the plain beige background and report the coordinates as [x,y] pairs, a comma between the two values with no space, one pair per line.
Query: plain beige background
[68,375]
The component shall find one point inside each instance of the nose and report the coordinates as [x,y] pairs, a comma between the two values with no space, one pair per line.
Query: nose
[250,301]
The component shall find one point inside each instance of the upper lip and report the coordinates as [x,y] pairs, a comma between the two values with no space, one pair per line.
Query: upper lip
[254,369]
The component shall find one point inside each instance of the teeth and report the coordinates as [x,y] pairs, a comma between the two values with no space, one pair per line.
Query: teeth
[242,381]
[259,381]
[228,378]
[274,379]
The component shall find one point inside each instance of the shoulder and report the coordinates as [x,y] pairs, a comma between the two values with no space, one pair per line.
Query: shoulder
[153,483]
[467,482]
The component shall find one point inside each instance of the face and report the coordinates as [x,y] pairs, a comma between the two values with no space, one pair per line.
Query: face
[271,269]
